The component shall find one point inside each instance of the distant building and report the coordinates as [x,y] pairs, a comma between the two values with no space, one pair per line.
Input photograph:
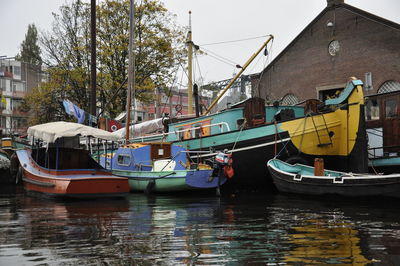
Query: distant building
[341,42]
[16,80]
[175,103]
[239,90]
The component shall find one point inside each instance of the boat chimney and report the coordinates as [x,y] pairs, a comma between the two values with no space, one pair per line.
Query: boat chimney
[196,99]
[334,2]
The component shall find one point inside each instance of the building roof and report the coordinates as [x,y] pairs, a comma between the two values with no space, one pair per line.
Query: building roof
[333,4]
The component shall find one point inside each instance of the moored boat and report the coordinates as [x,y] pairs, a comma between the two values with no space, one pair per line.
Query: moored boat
[59,170]
[303,179]
[162,167]
[254,133]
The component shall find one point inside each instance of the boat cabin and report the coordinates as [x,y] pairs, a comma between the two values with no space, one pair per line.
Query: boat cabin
[249,113]
[382,115]
[145,157]
[65,153]
[61,158]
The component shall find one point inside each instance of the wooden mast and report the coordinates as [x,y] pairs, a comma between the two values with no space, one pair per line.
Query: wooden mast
[93,57]
[131,69]
[190,71]
[238,74]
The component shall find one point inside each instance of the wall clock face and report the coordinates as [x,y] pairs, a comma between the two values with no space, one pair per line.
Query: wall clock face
[333,47]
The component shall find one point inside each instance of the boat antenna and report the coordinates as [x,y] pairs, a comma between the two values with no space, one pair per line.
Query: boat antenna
[238,74]
[131,70]
[190,71]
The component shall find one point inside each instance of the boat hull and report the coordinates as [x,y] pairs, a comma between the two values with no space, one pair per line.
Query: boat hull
[343,184]
[77,183]
[249,157]
[171,181]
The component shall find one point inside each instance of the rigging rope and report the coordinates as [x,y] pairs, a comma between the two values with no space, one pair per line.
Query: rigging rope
[240,40]
[284,146]
[219,57]
[269,55]
[170,91]
[240,132]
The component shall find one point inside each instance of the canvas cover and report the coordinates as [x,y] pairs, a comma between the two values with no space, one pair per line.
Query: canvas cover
[141,129]
[50,132]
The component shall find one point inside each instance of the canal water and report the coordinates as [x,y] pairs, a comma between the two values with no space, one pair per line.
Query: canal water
[250,227]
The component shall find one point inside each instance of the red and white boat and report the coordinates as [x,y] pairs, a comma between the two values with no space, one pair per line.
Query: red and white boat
[57,170]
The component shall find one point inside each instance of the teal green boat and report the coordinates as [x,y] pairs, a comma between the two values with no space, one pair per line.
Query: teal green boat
[162,167]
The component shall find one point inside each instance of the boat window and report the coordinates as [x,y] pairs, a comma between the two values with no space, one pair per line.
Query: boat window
[289,99]
[198,131]
[179,133]
[390,108]
[372,110]
[124,159]
[389,86]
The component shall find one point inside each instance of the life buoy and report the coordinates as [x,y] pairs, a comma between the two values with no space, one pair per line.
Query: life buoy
[228,169]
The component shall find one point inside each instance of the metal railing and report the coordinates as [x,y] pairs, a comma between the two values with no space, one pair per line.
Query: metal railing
[373,151]
[221,125]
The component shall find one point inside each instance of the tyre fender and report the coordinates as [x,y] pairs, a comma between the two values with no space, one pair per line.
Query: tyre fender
[18,176]
[297,159]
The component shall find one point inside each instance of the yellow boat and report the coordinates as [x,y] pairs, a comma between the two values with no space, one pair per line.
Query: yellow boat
[336,132]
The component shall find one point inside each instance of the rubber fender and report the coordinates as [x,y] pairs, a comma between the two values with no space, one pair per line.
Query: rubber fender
[297,159]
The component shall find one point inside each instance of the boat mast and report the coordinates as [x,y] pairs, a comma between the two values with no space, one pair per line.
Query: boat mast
[131,70]
[93,58]
[238,74]
[190,59]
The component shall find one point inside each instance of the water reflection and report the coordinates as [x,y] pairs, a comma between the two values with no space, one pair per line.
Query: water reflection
[173,228]
[255,228]
[48,231]
[338,230]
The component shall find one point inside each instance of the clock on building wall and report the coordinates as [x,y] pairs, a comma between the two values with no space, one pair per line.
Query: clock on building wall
[334,47]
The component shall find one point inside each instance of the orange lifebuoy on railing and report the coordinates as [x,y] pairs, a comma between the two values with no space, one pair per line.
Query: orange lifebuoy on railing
[228,169]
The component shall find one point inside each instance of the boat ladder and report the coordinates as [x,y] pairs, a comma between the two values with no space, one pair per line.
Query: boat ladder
[322,127]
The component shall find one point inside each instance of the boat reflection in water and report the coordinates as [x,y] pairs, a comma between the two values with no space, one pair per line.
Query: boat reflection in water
[254,228]
[175,229]
[320,241]
[334,230]
[48,231]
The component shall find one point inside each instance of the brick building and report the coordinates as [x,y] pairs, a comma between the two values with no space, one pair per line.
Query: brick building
[175,103]
[341,42]
[16,80]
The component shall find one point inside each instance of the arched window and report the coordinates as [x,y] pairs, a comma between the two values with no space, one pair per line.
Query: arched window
[389,86]
[289,99]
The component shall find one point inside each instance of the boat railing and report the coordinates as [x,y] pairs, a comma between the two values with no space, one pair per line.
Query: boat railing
[108,162]
[379,152]
[221,125]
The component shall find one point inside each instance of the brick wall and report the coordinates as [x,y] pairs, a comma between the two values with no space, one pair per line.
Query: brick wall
[366,45]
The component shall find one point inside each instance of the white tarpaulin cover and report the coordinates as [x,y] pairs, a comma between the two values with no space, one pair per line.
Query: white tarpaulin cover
[141,129]
[49,132]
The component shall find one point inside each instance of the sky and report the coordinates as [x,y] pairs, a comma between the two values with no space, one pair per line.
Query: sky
[213,21]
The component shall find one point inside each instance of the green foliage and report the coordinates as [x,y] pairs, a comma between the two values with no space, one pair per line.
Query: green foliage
[30,51]
[159,48]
